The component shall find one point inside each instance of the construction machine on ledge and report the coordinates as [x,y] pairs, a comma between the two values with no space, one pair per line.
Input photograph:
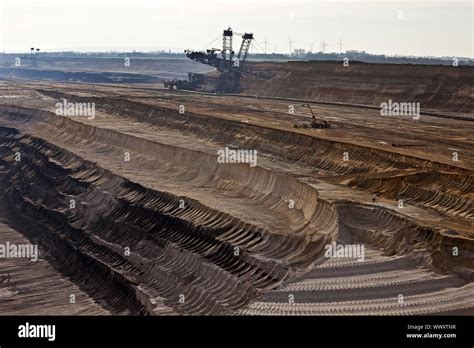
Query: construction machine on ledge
[315,122]
[228,64]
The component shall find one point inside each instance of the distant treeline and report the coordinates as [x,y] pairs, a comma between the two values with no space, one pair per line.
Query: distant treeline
[360,56]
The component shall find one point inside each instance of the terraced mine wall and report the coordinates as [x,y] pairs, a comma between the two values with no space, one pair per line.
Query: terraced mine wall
[102,70]
[174,251]
[234,247]
[442,188]
[138,64]
[397,235]
[400,235]
[441,88]
[77,76]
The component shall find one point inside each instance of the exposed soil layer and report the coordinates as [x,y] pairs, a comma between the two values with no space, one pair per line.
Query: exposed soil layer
[78,76]
[134,210]
[434,87]
[103,70]
[28,287]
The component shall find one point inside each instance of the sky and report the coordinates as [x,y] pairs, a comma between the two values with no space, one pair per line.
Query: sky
[403,27]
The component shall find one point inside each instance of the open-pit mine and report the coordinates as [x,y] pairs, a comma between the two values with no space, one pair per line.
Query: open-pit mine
[123,186]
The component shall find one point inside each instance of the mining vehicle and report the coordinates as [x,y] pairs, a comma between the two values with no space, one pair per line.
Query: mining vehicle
[228,64]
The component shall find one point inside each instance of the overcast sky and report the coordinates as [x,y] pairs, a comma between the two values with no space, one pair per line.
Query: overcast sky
[423,28]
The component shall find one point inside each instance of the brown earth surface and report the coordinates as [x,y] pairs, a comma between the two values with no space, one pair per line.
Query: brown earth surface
[159,226]
[444,88]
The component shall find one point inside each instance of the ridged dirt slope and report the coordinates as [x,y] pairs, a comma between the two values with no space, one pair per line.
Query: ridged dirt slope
[138,204]
[388,281]
[443,189]
[216,262]
[434,87]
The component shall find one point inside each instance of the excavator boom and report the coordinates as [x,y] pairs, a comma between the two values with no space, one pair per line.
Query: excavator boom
[229,65]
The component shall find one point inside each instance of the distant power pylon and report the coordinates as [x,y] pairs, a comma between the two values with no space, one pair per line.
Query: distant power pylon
[290,42]
[324,44]
[340,46]
[311,44]
[265,43]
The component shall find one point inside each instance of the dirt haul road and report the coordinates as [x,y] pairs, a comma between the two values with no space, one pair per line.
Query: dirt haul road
[134,211]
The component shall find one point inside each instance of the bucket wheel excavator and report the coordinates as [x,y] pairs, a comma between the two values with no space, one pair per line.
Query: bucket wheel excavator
[228,64]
